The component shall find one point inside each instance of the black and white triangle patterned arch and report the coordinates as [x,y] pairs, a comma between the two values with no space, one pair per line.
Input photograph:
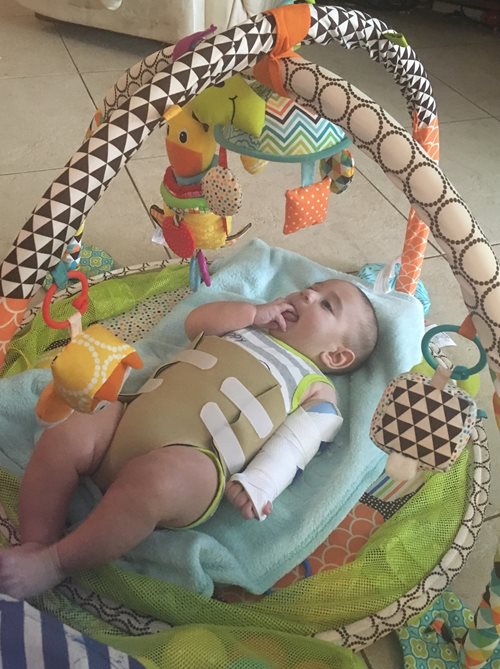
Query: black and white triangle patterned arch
[354,29]
[64,204]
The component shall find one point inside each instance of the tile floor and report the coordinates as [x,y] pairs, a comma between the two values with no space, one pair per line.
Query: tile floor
[52,75]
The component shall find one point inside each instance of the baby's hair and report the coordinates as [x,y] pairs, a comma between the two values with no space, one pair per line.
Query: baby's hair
[363,338]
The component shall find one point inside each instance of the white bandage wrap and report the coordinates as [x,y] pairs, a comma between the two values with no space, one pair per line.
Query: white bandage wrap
[291,447]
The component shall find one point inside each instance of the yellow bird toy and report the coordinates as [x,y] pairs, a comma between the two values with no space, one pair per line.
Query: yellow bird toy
[200,195]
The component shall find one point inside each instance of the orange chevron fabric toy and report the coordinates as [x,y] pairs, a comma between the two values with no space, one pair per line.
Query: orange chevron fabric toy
[89,372]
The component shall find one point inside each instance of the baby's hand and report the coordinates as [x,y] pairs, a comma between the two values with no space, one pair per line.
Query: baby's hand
[274,315]
[239,498]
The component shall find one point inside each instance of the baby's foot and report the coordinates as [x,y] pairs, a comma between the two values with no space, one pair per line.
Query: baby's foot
[28,570]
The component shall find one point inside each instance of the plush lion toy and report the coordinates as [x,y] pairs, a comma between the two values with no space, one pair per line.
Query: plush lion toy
[88,374]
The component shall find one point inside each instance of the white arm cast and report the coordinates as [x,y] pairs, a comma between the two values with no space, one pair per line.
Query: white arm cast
[291,447]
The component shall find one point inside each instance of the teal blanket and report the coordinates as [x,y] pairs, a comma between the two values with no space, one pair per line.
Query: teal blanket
[228,549]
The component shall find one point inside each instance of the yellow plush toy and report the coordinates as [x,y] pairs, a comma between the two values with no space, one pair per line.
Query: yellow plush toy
[88,373]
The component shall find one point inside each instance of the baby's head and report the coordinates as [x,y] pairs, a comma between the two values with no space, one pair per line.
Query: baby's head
[333,323]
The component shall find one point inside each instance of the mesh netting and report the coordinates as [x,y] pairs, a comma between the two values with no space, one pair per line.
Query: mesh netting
[275,631]
[120,293]
[399,555]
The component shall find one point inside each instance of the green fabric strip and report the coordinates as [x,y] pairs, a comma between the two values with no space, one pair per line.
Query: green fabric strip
[106,299]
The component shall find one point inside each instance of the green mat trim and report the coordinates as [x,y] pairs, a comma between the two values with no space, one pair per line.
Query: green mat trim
[106,299]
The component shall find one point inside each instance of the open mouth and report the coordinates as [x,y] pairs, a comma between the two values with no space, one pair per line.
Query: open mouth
[291,316]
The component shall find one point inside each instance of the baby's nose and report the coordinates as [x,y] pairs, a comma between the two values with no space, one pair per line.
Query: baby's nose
[308,294]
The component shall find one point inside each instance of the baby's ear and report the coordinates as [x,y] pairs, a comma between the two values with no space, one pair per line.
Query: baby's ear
[337,358]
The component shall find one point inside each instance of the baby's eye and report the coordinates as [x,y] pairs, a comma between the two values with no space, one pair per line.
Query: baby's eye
[326,305]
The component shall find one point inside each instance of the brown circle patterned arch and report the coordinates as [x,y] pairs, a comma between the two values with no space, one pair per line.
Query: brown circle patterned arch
[423,183]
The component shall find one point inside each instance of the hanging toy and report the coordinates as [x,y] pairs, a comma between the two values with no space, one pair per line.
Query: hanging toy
[422,422]
[90,371]
[200,195]
[340,168]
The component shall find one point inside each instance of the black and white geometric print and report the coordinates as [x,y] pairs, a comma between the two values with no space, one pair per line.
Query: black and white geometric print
[424,423]
[354,29]
[74,192]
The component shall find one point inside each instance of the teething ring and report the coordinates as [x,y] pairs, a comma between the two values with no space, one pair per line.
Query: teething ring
[81,301]
[460,372]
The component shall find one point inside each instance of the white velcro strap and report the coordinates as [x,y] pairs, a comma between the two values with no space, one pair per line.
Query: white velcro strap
[150,385]
[75,324]
[225,441]
[195,357]
[249,406]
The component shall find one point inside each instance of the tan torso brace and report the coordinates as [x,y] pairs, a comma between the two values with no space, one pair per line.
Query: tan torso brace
[190,398]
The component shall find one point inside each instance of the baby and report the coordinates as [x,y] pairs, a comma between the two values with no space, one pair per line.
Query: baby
[237,413]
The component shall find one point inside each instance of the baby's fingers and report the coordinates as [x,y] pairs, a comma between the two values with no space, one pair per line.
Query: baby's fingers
[267,508]
[247,511]
[279,322]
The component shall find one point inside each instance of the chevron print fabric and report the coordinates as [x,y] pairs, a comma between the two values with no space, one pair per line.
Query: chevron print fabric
[289,130]
[291,133]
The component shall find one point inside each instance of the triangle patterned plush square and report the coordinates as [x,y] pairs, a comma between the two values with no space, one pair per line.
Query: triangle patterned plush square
[422,422]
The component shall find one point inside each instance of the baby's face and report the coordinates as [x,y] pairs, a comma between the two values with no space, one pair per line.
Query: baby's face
[321,316]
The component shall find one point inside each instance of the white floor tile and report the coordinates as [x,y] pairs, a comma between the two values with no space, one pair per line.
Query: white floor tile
[385,654]
[425,28]
[19,194]
[340,242]
[120,224]
[374,174]
[30,47]
[477,76]
[469,158]
[375,81]
[42,121]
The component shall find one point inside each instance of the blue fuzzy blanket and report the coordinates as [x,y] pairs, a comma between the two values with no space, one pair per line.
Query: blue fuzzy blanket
[228,549]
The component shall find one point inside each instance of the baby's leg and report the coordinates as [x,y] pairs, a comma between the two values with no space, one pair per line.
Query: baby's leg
[172,486]
[64,453]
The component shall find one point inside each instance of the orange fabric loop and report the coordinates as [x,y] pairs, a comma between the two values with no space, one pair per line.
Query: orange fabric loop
[468,329]
[292,25]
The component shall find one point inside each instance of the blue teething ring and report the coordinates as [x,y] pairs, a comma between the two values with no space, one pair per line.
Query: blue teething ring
[194,274]
[460,372]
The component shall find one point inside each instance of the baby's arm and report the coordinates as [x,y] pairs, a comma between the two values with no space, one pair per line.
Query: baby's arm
[289,449]
[218,318]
